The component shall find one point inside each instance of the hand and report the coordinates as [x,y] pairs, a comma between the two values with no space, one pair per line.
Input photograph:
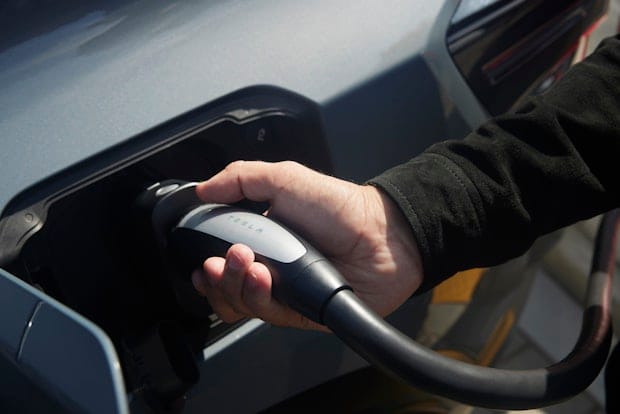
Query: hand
[357,227]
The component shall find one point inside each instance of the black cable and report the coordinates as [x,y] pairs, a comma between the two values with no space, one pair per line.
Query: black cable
[382,345]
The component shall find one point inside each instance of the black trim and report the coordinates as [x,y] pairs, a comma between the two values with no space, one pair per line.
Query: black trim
[515,48]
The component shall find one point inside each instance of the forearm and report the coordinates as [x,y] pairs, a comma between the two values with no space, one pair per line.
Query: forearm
[485,199]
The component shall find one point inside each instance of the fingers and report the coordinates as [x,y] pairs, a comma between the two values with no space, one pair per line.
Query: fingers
[230,281]
[223,282]
[253,180]
[215,299]
[215,296]
[238,287]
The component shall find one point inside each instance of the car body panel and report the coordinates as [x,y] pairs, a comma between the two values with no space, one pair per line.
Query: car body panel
[90,84]
[55,346]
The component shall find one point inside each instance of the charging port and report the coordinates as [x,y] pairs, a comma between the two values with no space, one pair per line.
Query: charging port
[78,237]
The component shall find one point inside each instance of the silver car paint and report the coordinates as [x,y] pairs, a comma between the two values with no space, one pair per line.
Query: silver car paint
[88,85]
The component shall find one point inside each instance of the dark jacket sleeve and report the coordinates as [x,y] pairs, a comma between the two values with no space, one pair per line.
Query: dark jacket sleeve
[484,199]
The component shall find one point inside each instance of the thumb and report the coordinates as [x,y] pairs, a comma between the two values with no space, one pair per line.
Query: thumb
[298,196]
[253,180]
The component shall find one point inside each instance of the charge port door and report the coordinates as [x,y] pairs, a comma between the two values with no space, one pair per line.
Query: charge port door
[57,360]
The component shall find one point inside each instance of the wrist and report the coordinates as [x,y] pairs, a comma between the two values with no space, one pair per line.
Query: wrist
[392,226]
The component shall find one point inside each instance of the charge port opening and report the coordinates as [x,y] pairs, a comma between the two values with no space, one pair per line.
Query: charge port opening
[93,254]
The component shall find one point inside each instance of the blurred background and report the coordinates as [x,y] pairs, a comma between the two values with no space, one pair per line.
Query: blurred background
[546,329]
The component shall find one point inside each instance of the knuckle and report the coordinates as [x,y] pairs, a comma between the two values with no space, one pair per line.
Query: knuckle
[234,166]
[289,166]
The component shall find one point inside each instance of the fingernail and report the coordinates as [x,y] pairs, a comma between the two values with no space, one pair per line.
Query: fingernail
[234,262]
[198,280]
